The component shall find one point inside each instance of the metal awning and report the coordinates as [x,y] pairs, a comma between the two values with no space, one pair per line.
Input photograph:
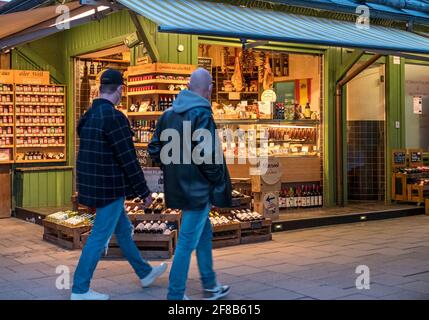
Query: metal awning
[220,19]
[26,26]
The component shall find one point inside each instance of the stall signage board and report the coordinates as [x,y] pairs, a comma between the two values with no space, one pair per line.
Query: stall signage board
[416,157]
[205,63]
[417,104]
[6,76]
[154,179]
[31,77]
[162,68]
[399,158]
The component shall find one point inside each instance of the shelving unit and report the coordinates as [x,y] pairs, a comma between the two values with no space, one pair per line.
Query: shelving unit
[39,139]
[159,78]
[7,120]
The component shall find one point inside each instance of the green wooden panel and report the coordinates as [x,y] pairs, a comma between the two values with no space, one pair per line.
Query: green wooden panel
[43,189]
[51,188]
[34,185]
[68,186]
[26,191]
[60,188]
[173,42]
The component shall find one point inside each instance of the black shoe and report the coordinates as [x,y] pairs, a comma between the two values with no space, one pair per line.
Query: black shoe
[217,292]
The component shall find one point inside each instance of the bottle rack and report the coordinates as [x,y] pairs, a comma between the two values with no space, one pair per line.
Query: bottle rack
[6,123]
[151,90]
[36,123]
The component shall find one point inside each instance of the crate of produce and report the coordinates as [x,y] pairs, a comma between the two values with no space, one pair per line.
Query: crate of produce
[151,246]
[226,231]
[63,233]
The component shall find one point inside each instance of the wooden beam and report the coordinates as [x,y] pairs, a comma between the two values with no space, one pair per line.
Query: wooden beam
[144,34]
[348,64]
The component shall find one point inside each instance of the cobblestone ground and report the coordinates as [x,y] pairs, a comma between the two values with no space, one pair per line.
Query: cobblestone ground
[315,263]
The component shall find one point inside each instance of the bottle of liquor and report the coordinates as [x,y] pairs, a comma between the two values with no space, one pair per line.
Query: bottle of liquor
[92,69]
[308,196]
[307,111]
[313,196]
[298,197]
[98,67]
[292,198]
[304,196]
[287,199]
[320,196]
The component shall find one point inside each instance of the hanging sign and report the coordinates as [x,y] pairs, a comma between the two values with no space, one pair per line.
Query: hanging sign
[6,76]
[31,77]
[205,63]
[417,104]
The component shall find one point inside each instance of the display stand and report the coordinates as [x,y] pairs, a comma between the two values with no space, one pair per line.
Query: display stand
[265,187]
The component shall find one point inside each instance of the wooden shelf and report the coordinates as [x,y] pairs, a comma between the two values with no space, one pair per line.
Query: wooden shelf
[6,135]
[6,92]
[40,135]
[156,81]
[6,103]
[145,114]
[7,162]
[40,161]
[152,92]
[40,93]
[41,146]
[6,124]
[141,144]
[40,125]
[41,114]
[39,104]
[6,114]
[244,92]
[6,146]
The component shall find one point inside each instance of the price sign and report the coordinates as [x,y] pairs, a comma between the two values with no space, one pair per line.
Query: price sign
[399,157]
[416,156]
[154,179]
[205,63]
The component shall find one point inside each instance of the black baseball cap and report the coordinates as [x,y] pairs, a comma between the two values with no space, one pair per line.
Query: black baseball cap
[112,76]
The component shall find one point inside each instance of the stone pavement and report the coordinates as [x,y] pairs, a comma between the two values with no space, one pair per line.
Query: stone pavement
[317,263]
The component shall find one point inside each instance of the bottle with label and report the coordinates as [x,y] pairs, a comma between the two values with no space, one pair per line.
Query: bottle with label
[92,69]
[308,196]
[313,196]
[307,111]
[294,199]
[287,199]
[298,195]
[320,196]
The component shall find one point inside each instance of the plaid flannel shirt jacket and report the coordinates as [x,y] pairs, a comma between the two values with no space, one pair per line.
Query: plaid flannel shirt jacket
[107,165]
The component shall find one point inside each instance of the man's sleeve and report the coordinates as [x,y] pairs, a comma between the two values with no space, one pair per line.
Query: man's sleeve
[119,137]
[214,170]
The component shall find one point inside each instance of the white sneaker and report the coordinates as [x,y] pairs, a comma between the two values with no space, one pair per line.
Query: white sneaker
[90,295]
[154,274]
[217,292]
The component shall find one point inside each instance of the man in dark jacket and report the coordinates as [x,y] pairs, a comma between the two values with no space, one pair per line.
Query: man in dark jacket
[185,142]
[107,172]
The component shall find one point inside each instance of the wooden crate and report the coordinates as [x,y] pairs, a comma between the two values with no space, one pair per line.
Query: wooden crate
[137,218]
[417,193]
[151,246]
[427,206]
[64,236]
[399,187]
[226,235]
[256,231]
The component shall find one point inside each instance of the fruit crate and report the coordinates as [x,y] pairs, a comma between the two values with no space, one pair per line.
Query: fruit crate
[174,218]
[64,236]
[255,231]
[151,245]
[226,235]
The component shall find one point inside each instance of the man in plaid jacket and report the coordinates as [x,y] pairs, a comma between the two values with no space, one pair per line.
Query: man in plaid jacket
[107,172]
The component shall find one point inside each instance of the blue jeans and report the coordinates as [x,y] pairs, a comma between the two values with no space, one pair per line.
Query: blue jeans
[195,233]
[109,219]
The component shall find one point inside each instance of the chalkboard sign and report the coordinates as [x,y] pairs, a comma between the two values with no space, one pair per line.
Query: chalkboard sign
[205,63]
[416,157]
[399,158]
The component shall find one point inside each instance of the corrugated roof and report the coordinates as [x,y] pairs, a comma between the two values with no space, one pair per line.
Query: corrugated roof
[220,19]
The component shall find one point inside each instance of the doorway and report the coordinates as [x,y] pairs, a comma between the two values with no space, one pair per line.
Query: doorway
[366,136]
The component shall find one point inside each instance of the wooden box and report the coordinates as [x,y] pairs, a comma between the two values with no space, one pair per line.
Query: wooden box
[399,187]
[151,246]
[226,235]
[64,236]
[256,231]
